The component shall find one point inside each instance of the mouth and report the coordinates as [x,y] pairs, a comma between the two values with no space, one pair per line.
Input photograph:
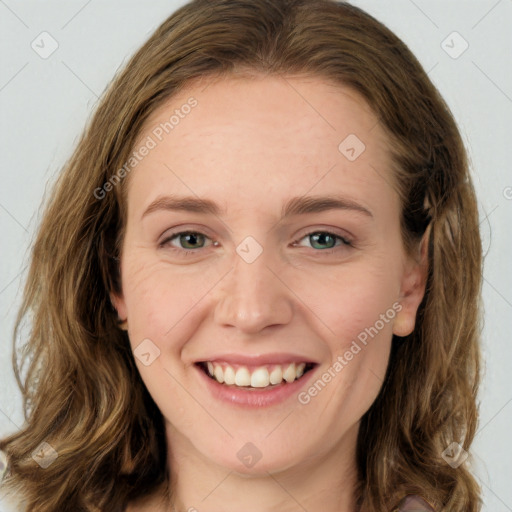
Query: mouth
[252,378]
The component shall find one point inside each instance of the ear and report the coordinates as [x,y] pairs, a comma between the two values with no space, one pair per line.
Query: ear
[412,289]
[120,305]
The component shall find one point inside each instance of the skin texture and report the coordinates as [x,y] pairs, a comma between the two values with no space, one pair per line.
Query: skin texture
[250,144]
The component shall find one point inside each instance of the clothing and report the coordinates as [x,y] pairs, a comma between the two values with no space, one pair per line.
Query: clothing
[414,504]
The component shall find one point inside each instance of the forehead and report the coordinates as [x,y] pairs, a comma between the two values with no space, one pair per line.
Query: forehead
[249,141]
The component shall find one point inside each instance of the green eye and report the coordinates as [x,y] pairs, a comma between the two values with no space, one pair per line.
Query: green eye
[189,241]
[192,241]
[190,238]
[320,239]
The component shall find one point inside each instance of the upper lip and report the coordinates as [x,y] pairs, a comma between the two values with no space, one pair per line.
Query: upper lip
[257,360]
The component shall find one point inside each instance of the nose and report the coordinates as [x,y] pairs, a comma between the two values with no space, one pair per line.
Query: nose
[253,297]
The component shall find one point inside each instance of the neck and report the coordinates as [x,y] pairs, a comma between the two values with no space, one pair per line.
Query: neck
[324,482]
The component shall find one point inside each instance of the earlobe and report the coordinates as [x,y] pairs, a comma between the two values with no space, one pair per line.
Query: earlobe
[123,325]
[412,290]
[120,306]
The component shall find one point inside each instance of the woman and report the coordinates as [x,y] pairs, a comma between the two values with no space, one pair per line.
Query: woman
[318,348]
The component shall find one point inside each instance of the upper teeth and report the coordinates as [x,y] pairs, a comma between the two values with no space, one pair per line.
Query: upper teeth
[260,377]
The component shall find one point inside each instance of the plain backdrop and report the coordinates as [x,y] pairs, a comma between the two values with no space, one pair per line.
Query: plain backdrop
[45,101]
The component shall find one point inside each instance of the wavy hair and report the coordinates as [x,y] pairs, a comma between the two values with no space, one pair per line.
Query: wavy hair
[82,392]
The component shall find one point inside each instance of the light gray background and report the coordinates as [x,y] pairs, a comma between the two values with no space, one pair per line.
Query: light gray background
[45,103]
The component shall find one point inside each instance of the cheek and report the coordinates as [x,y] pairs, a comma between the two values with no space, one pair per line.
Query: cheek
[349,300]
[365,313]
[358,307]
[163,303]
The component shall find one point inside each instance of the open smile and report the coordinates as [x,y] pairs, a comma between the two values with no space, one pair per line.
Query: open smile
[254,385]
[259,377]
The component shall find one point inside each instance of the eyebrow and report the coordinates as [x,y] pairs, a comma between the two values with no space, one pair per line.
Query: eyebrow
[300,205]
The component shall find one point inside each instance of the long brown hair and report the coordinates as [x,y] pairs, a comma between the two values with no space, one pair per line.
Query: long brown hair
[82,392]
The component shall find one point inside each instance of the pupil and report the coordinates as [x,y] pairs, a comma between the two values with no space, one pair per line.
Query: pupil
[190,236]
[320,236]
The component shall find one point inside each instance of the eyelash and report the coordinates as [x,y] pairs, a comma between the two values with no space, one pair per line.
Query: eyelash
[344,242]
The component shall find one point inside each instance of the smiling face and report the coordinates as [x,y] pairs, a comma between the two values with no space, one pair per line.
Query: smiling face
[263,283]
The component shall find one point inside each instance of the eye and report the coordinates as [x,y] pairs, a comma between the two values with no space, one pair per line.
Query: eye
[189,241]
[320,239]
[192,241]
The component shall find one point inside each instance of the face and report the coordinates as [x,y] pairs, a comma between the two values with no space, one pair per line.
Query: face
[263,246]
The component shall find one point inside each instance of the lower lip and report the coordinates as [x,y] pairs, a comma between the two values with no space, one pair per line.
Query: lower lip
[254,397]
